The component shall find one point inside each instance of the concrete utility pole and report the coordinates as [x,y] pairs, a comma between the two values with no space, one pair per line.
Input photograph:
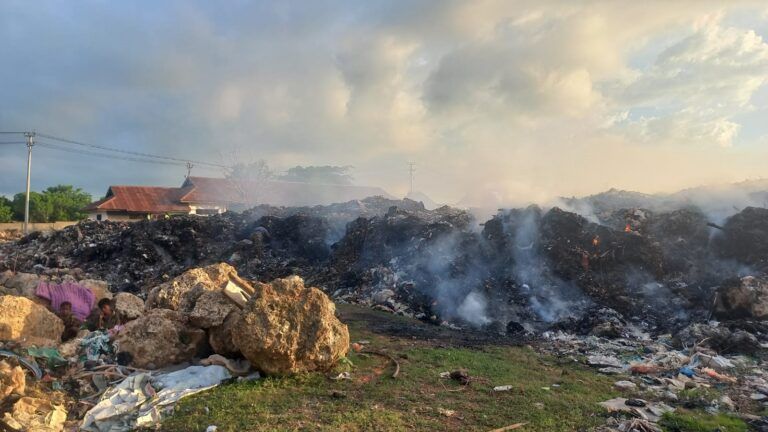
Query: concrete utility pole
[411,170]
[189,169]
[30,142]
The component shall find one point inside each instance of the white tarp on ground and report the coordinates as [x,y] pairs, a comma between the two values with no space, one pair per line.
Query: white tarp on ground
[141,399]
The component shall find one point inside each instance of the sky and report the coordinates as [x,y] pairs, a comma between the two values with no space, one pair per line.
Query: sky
[512,101]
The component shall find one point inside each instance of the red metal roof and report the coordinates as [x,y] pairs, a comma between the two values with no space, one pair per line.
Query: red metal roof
[141,199]
[207,190]
[219,191]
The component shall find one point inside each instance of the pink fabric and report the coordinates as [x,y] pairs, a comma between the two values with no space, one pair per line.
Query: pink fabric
[82,298]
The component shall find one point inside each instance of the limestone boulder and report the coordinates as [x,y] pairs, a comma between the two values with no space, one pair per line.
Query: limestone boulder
[220,337]
[159,338]
[743,298]
[128,306]
[288,328]
[25,321]
[211,309]
[182,292]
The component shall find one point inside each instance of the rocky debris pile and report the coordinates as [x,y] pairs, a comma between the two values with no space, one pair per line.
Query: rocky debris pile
[283,327]
[287,328]
[25,321]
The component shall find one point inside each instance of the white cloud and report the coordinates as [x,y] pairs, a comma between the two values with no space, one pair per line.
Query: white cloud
[699,83]
[510,96]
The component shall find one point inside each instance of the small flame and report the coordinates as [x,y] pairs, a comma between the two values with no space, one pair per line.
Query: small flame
[628,228]
[596,241]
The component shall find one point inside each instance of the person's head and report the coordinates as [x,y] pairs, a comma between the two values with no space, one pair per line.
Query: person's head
[65,308]
[105,305]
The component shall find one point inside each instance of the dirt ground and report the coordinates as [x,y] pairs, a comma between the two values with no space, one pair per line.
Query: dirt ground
[386,324]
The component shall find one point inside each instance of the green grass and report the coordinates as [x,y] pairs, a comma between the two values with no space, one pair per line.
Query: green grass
[417,400]
[688,421]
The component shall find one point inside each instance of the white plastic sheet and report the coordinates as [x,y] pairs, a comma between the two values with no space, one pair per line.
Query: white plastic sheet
[142,399]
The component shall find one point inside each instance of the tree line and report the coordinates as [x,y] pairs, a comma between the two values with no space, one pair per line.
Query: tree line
[57,203]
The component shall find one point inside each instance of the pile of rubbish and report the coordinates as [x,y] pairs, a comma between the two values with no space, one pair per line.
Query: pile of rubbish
[264,243]
[523,271]
[129,360]
[658,375]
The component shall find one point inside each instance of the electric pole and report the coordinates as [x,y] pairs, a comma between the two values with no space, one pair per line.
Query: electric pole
[411,171]
[30,142]
[189,169]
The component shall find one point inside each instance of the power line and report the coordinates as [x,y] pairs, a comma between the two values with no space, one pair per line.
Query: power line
[12,142]
[108,156]
[146,155]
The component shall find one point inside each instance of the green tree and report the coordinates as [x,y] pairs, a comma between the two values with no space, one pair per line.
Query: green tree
[6,210]
[57,203]
[65,202]
[38,208]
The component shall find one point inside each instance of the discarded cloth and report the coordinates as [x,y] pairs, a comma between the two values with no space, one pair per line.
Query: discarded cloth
[52,357]
[116,411]
[81,298]
[142,399]
[96,344]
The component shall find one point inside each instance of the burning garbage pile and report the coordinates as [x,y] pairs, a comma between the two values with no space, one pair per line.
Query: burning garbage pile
[129,361]
[524,270]
[193,291]
[265,243]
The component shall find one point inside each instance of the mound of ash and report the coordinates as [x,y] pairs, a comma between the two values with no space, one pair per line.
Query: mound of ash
[524,270]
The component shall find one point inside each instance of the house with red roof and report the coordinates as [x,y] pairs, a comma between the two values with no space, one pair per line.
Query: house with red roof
[208,196]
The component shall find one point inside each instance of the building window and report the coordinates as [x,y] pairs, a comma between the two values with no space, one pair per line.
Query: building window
[98,217]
